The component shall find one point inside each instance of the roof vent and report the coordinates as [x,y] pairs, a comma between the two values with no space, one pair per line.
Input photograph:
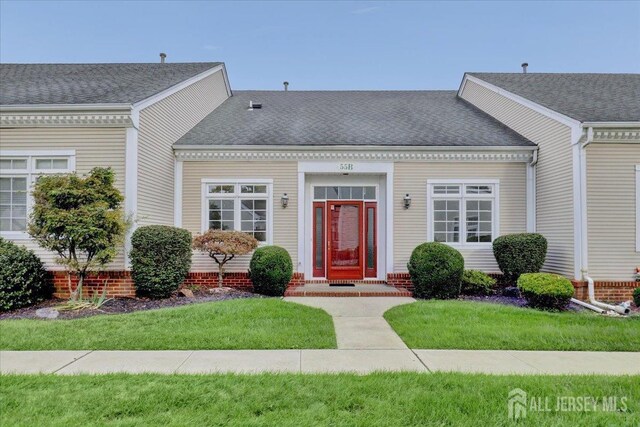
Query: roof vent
[254,105]
[163,56]
[524,66]
[286,86]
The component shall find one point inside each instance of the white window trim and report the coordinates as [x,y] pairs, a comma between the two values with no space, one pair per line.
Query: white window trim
[204,224]
[30,173]
[495,197]
[637,208]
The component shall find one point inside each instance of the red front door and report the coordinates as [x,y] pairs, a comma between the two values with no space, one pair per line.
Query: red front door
[345,248]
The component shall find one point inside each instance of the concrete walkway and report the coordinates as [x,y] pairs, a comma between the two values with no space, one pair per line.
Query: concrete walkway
[319,361]
[358,321]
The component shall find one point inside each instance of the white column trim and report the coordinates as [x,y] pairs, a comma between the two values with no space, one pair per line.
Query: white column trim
[131,183]
[301,240]
[531,198]
[637,208]
[177,192]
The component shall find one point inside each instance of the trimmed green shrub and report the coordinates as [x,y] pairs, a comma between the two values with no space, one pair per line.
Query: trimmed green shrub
[545,291]
[270,270]
[436,270]
[517,254]
[23,279]
[636,297]
[160,259]
[476,282]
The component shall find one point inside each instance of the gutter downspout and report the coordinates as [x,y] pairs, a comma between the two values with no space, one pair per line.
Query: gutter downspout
[595,305]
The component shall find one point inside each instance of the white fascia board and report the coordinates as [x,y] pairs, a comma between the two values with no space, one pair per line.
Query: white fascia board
[140,105]
[367,148]
[559,117]
[612,124]
[64,107]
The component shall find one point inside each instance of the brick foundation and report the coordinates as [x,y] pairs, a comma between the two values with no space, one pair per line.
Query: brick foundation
[120,284]
[605,290]
[400,281]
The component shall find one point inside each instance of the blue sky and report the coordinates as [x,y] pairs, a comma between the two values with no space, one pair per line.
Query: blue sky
[331,45]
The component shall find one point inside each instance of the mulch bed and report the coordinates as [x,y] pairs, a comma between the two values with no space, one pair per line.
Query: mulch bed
[521,302]
[129,305]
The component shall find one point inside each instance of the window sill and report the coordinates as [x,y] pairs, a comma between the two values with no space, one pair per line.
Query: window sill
[15,235]
[470,245]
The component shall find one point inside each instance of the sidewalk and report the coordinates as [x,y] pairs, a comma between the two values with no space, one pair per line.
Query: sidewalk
[366,343]
[319,361]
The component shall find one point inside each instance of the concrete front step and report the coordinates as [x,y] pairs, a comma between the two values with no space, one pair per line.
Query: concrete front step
[359,290]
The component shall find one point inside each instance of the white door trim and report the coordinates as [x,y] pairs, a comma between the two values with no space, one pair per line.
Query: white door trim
[341,167]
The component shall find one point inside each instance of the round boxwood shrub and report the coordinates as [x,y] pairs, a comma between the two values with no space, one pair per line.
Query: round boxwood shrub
[636,297]
[160,259]
[476,282]
[436,270]
[545,291]
[23,279]
[521,253]
[270,270]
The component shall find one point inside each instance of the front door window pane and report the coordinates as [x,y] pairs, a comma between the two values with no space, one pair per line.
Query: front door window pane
[319,255]
[370,238]
[345,236]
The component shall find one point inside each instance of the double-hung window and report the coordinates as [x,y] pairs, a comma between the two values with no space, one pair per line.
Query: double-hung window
[463,212]
[18,172]
[242,206]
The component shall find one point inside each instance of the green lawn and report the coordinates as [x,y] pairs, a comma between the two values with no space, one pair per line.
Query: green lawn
[305,400]
[483,326]
[258,323]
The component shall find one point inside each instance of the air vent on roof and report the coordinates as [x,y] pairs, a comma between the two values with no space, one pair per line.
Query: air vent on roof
[255,105]
[524,67]
[163,56]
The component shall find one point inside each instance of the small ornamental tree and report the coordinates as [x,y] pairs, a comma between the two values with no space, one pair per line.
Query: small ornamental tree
[223,246]
[79,218]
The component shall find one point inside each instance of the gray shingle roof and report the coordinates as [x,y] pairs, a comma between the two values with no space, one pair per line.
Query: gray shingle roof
[358,118]
[91,83]
[584,97]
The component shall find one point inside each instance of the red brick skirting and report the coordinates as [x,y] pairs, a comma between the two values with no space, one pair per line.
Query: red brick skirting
[400,281]
[606,290]
[120,284]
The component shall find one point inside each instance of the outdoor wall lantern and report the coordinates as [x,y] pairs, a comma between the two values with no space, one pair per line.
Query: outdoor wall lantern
[284,200]
[407,201]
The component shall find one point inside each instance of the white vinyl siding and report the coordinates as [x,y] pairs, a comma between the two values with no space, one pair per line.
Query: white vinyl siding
[93,147]
[283,174]
[612,210]
[410,226]
[554,182]
[161,125]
